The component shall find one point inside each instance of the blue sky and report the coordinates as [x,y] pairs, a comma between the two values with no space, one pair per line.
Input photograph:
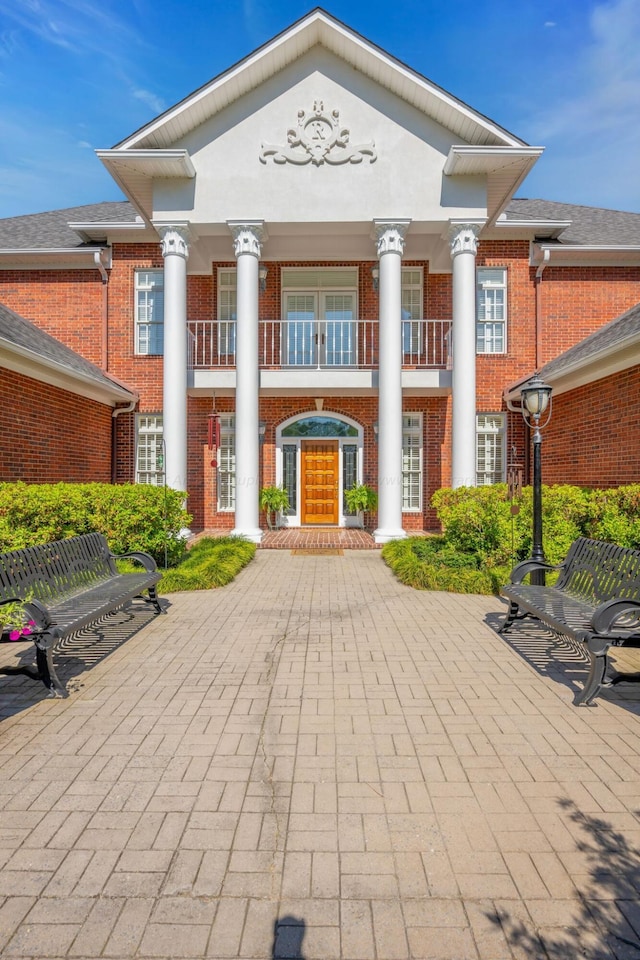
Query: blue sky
[77,75]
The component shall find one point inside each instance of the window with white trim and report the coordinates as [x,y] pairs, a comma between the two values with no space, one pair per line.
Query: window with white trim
[491,313]
[149,449]
[411,461]
[491,436]
[149,312]
[411,305]
[227,311]
[227,463]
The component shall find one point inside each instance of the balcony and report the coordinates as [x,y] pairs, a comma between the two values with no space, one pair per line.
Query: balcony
[294,345]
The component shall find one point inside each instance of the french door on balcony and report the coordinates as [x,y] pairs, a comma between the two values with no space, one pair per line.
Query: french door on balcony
[319,329]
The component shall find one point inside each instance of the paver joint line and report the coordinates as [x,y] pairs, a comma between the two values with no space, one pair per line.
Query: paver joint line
[332,766]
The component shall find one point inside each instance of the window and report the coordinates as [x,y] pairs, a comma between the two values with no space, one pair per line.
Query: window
[411,313]
[227,312]
[490,448]
[149,312]
[149,450]
[491,310]
[411,461]
[227,463]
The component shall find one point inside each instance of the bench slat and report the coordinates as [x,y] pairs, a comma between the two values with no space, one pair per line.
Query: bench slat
[592,574]
[77,583]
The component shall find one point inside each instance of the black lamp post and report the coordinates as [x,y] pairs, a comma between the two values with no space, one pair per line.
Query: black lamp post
[536,405]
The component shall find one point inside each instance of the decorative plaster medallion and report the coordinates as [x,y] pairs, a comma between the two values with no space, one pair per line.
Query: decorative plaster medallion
[174,240]
[463,238]
[318,139]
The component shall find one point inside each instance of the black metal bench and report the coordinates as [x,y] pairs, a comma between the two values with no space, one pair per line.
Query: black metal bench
[595,601]
[66,586]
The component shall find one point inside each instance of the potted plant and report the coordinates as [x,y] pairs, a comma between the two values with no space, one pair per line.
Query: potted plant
[274,501]
[360,499]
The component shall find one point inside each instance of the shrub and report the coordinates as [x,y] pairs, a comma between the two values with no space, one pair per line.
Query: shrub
[131,516]
[616,515]
[425,568]
[482,538]
[211,562]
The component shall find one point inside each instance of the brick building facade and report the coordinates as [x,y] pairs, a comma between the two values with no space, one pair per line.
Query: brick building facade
[287,300]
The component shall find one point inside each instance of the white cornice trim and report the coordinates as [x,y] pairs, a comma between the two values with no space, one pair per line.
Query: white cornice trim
[39,367]
[612,359]
[574,254]
[317,27]
[487,159]
[175,162]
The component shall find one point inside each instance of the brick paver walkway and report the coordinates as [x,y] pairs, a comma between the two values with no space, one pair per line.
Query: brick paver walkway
[318,762]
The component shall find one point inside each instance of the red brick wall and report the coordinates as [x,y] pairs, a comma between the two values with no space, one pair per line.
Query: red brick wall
[273,411]
[65,303]
[576,301]
[593,437]
[49,435]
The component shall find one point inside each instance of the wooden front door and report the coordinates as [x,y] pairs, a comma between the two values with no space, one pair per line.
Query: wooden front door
[320,482]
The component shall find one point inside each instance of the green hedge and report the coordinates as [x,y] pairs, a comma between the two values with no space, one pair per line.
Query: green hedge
[484,533]
[211,562]
[131,516]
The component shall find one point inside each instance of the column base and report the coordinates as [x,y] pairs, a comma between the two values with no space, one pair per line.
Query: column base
[382,535]
[254,534]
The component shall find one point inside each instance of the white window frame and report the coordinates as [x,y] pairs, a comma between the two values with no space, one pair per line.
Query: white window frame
[495,471]
[149,449]
[412,294]
[491,310]
[149,327]
[226,457]
[412,462]
[227,311]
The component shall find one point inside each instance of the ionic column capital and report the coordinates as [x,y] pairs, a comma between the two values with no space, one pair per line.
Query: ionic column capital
[389,235]
[248,236]
[174,239]
[463,237]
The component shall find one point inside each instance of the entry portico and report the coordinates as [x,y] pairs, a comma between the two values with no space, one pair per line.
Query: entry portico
[318,155]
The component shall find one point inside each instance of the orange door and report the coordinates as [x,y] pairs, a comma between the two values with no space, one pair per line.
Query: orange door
[320,482]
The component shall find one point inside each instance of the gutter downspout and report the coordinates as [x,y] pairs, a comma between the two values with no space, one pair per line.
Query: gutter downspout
[97,258]
[130,407]
[546,256]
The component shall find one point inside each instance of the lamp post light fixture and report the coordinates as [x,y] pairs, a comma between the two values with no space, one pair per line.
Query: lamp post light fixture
[536,410]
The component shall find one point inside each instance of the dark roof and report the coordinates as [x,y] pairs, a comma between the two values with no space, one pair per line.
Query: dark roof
[20,332]
[614,334]
[591,226]
[46,231]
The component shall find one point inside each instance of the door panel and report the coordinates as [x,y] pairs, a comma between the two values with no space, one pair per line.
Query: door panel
[319,482]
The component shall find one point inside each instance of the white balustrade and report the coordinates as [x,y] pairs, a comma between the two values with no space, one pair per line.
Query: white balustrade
[320,345]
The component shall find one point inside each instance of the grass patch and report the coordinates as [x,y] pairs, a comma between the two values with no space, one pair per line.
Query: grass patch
[211,562]
[431,563]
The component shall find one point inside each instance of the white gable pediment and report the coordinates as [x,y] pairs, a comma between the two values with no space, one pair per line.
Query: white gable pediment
[319,126]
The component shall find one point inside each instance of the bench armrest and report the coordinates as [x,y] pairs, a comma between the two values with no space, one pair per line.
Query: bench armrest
[605,616]
[11,600]
[34,609]
[145,559]
[521,570]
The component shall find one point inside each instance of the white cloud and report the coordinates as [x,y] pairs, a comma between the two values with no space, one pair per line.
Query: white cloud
[151,100]
[602,83]
[587,112]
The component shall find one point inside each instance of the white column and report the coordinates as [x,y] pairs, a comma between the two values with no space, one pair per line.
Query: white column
[463,238]
[390,242]
[175,251]
[247,240]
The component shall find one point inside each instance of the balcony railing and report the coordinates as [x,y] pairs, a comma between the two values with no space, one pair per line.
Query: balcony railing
[319,345]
